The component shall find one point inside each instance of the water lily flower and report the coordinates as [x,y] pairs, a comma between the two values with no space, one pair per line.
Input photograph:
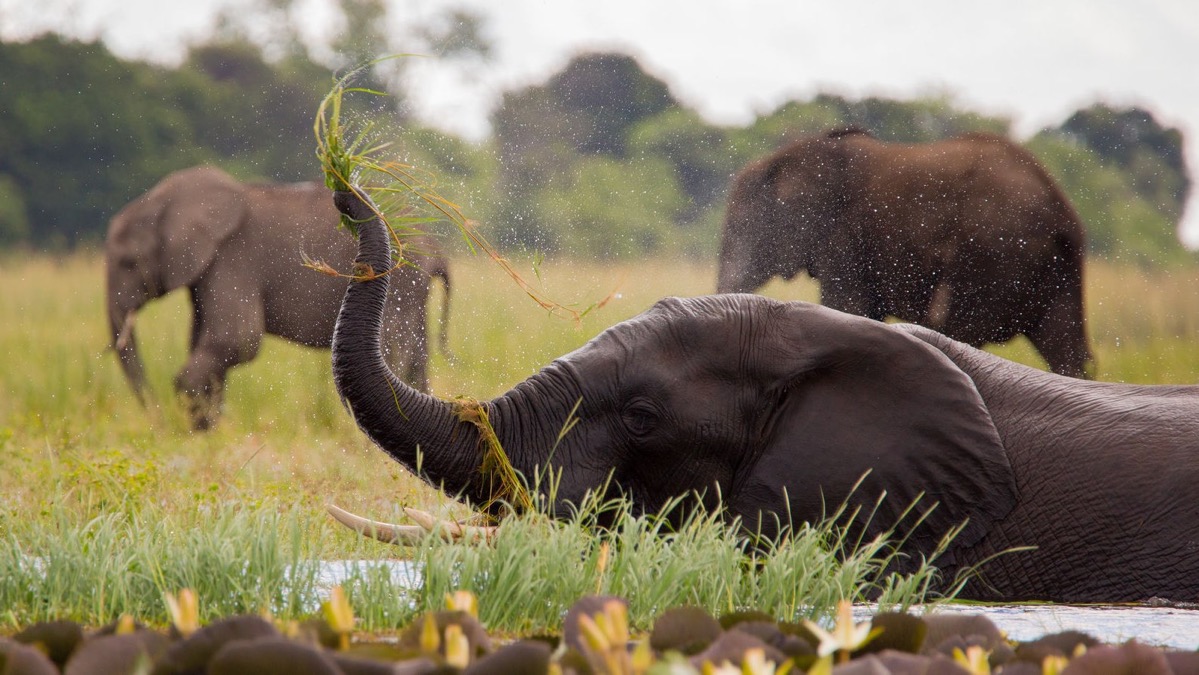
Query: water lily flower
[339,615]
[605,638]
[975,659]
[1054,665]
[845,636]
[457,647]
[462,601]
[184,611]
[430,641]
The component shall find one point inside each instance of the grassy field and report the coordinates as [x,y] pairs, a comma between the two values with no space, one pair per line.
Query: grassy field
[76,451]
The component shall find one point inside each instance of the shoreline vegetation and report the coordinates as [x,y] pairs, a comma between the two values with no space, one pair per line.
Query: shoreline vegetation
[274,559]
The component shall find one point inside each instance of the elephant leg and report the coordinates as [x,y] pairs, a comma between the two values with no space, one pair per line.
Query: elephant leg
[1060,336]
[224,334]
[201,383]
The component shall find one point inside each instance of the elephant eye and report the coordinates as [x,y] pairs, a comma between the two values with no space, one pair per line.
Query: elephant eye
[641,417]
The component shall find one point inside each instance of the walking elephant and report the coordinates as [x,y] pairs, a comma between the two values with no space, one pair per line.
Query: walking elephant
[221,239]
[780,408]
[968,236]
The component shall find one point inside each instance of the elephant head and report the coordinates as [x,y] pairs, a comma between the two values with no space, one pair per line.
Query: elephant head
[780,210]
[732,396]
[161,241]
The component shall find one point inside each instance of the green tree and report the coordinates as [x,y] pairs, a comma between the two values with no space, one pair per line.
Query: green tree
[252,116]
[905,121]
[14,216]
[612,208]
[917,121]
[82,132]
[698,151]
[542,131]
[461,171]
[1121,224]
[603,95]
[530,140]
[1148,152]
[786,124]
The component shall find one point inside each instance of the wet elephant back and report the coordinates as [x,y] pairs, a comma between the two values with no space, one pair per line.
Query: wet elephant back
[959,228]
[1107,476]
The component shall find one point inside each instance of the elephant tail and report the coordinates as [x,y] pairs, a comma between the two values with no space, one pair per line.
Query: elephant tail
[442,271]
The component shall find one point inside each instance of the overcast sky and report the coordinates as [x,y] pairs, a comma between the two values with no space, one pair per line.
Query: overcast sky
[1035,61]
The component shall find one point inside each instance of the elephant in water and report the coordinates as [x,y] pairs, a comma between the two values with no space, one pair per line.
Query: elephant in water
[781,408]
[969,236]
[201,229]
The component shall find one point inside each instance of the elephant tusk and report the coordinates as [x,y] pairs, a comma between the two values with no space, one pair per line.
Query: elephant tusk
[384,532]
[429,523]
[410,534]
[449,529]
[122,340]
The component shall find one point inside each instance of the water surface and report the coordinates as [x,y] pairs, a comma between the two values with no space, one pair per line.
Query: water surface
[1159,626]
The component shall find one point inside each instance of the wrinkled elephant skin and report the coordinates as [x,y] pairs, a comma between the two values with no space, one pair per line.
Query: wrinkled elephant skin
[238,248]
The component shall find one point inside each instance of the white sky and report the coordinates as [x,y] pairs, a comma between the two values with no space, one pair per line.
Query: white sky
[1035,61]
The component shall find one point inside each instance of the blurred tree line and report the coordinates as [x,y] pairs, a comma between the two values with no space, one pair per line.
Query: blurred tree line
[599,160]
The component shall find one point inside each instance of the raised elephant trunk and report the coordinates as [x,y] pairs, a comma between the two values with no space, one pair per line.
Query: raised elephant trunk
[443,441]
[421,432]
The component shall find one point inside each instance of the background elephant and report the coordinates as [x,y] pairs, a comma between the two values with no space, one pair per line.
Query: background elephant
[969,236]
[782,407]
[221,239]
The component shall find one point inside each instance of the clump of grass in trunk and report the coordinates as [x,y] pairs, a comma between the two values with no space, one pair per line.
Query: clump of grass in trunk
[352,162]
[406,197]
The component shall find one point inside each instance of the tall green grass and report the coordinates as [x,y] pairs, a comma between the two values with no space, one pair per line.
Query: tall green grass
[123,561]
[537,567]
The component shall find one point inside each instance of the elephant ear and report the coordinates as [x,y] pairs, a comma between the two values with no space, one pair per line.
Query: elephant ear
[204,207]
[855,397]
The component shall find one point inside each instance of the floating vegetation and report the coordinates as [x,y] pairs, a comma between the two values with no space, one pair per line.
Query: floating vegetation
[597,637]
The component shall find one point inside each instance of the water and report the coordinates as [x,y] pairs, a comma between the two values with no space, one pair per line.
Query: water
[1159,626]
[334,572]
